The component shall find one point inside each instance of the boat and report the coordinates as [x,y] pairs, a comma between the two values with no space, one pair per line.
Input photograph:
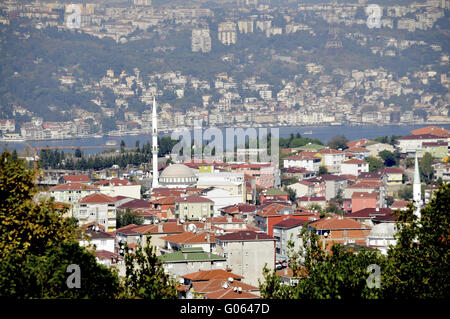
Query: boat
[12,138]
[307,133]
[111,142]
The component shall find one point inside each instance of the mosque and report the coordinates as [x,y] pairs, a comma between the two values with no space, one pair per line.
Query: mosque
[175,175]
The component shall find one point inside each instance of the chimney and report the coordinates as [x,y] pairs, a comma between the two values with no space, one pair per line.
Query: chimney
[160,228]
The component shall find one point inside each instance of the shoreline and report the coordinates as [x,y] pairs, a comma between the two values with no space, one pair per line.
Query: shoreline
[162,131]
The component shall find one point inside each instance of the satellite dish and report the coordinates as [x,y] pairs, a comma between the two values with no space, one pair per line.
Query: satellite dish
[181,281]
[203,219]
[156,221]
[96,228]
[235,288]
[325,234]
[230,279]
[192,228]
[225,285]
[221,231]
[182,221]
[240,289]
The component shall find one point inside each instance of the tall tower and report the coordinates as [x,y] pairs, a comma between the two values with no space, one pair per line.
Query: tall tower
[417,189]
[155,146]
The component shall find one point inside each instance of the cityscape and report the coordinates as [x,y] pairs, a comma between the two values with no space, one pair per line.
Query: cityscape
[224,150]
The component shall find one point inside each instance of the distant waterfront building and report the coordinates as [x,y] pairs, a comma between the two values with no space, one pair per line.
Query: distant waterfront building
[142,2]
[245,26]
[201,40]
[227,33]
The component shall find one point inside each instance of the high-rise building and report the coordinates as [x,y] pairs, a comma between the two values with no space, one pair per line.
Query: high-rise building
[201,40]
[227,33]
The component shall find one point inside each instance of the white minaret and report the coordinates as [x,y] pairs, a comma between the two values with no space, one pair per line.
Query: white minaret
[417,189]
[155,146]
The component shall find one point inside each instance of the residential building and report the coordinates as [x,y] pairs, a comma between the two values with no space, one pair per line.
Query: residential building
[96,208]
[340,230]
[193,208]
[189,260]
[309,162]
[201,40]
[246,253]
[71,193]
[285,231]
[361,200]
[119,187]
[354,167]
[265,174]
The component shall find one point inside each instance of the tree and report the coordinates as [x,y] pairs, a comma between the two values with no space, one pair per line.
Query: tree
[323,170]
[338,142]
[145,276]
[388,158]
[405,193]
[426,168]
[128,218]
[419,262]
[78,153]
[337,275]
[122,146]
[37,244]
[375,164]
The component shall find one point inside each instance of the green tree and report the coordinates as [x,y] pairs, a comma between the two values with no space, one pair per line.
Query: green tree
[426,168]
[338,142]
[323,170]
[127,218]
[388,158]
[375,164]
[145,276]
[419,262]
[405,193]
[37,244]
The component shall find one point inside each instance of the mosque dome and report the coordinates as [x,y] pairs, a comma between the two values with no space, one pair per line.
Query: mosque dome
[177,175]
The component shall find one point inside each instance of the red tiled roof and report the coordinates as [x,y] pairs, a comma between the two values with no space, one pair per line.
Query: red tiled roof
[97,198]
[191,238]
[244,235]
[135,203]
[419,137]
[357,150]
[368,185]
[225,220]
[211,275]
[193,199]
[289,223]
[364,195]
[77,178]
[360,142]
[435,130]
[73,187]
[355,161]
[329,151]
[369,213]
[115,182]
[336,223]
[230,294]
[400,204]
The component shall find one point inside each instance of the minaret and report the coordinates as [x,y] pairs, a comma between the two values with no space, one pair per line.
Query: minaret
[417,189]
[155,146]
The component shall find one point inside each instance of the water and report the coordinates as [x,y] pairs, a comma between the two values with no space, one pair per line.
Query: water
[323,133]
